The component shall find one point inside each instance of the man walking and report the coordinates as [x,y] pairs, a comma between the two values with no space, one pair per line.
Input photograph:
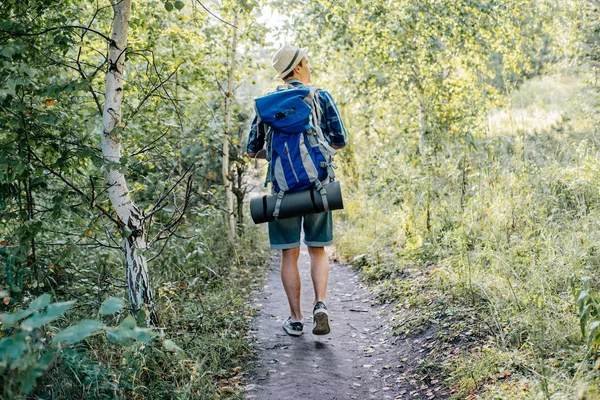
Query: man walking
[293,67]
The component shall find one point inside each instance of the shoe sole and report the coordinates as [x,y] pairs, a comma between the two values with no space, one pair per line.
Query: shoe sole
[321,320]
[292,333]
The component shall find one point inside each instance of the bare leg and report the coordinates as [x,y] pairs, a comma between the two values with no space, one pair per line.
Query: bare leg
[319,272]
[291,280]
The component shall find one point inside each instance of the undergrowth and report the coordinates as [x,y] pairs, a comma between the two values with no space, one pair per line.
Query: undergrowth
[201,349]
[482,248]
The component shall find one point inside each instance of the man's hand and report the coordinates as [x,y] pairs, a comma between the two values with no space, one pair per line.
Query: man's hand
[261,154]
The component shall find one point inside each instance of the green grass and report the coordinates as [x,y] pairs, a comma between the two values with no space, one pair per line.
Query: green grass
[542,103]
[204,309]
[509,223]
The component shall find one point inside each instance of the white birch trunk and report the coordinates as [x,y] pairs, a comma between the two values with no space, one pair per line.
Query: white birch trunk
[231,234]
[140,293]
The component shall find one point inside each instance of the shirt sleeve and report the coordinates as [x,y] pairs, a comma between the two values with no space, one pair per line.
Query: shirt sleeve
[256,137]
[331,122]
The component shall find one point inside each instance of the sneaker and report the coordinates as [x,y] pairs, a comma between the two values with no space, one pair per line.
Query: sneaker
[320,319]
[293,328]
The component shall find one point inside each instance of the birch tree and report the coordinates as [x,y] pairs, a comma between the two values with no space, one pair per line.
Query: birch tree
[231,233]
[130,217]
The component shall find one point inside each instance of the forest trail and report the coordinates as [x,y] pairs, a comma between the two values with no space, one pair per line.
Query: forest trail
[357,360]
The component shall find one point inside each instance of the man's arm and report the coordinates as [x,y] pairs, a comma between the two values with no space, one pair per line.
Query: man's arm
[332,124]
[256,140]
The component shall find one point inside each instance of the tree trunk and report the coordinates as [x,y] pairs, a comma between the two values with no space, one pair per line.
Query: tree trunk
[140,293]
[231,234]
[427,151]
[240,192]
[426,144]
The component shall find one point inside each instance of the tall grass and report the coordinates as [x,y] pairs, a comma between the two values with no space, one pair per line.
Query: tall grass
[489,241]
[202,292]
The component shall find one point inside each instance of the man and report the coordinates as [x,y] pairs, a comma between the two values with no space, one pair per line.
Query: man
[292,66]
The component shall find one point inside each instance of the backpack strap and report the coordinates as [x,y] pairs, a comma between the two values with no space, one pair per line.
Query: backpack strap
[310,97]
[317,115]
[278,204]
[269,142]
[323,193]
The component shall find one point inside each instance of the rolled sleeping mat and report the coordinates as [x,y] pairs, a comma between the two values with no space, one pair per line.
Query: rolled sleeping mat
[294,204]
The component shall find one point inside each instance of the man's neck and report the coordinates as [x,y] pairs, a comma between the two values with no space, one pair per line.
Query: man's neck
[295,80]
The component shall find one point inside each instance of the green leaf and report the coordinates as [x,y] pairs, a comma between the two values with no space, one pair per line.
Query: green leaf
[583,317]
[97,161]
[111,305]
[593,333]
[76,333]
[143,334]
[40,302]
[128,322]
[8,52]
[168,5]
[49,119]
[169,345]
[37,366]
[582,297]
[128,331]
[248,5]
[53,311]
[123,334]
[119,336]
[126,231]
[11,348]
[10,319]
[179,4]
[117,130]
[571,281]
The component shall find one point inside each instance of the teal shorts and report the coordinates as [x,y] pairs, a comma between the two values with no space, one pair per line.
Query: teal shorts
[318,231]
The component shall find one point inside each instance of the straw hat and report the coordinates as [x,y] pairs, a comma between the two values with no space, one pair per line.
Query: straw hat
[286,58]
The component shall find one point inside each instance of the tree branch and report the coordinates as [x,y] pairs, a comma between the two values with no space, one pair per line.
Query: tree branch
[75,188]
[87,29]
[172,224]
[149,145]
[96,100]
[164,196]
[214,15]
[160,84]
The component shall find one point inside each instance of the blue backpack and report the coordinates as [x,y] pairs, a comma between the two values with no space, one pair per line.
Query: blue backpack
[298,154]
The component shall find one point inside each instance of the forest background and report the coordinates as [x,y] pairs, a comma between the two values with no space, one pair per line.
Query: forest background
[471,188]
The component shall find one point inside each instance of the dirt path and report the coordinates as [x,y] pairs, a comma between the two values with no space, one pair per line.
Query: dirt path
[357,360]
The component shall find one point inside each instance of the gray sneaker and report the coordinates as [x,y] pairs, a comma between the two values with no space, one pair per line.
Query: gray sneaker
[320,319]
[293,328]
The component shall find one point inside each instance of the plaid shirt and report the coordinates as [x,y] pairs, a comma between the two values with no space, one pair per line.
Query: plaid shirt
[331,124]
